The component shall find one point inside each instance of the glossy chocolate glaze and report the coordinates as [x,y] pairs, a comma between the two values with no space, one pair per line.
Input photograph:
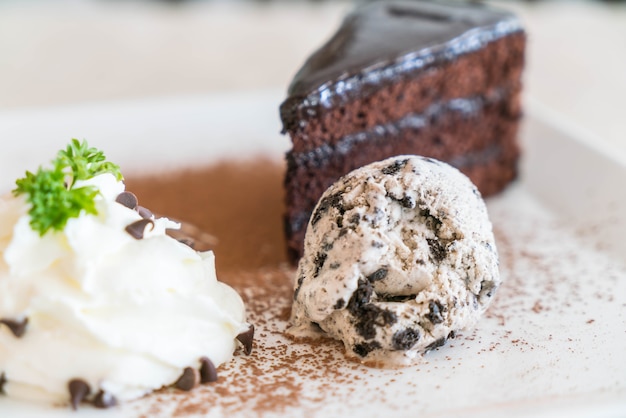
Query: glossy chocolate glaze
[382,41]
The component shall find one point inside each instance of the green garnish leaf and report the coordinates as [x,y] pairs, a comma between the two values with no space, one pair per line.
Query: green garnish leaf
[85,162]
[52,193]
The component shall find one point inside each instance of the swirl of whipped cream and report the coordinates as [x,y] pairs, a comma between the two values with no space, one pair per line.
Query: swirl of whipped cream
[124,315]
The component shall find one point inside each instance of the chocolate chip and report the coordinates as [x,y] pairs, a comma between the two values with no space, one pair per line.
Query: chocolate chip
[127,199]
[3,381]
[395,167]
[188,242]
[208,372]
[363,349]
[246,338]
[137,228]
[79,390]
[104,400]
[379,274]
[436,312]
[188,380]
[339,304]
[405,339]
[18,328]
[144,212]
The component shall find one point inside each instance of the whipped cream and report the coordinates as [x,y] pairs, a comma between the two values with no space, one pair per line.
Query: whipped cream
[399,255]
[124,315]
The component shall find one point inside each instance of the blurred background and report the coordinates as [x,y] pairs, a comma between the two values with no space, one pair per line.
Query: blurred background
[70,52]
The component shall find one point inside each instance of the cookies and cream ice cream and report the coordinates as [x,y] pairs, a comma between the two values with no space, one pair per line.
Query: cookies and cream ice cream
[107,307]
[399,255]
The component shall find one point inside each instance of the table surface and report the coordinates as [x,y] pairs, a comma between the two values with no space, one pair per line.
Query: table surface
[71,52]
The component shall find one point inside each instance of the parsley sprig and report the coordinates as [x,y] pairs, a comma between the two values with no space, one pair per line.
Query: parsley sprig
[52,193]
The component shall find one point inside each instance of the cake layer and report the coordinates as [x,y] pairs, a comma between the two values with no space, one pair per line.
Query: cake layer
[497,67]
[487,153]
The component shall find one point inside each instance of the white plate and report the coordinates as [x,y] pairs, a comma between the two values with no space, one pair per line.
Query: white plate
[553,342]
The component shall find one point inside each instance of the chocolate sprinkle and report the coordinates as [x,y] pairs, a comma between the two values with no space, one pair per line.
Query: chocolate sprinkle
[208,372]
[144,212]
[3,381]
[104,400]
[79,390]
[137,228]
[246,339]
[188,380]
[18,328]
[127,199]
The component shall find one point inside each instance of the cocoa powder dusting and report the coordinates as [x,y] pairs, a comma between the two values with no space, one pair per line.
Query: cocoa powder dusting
[241,204]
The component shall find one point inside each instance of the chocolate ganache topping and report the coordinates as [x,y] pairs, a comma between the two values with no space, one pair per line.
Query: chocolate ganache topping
[382,41]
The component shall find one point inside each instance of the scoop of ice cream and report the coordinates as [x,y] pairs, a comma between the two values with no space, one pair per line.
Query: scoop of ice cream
[109,308]
[399,255]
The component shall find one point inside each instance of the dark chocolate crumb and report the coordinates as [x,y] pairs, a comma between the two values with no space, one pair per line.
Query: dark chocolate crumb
[332,201]
[377,244]
[370,316]
[379,274]
[436,312]
[144,212]
[438,343]
[327,246]
[407,202]
[354,219]
[320,259]
[395,167]
[299,285]
[339,221]
[188,380]
[127,199]
[339,304]
[246,338]
[79,390]
[104,400]
[360,297]
[364,348]
[334,266]
[208,372]
[405,339]
[18,328]
[487,288]
[395,298]
[3,381]
[437,250]
[137,228]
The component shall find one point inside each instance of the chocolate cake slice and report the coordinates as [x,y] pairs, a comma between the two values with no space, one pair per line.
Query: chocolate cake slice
[433,79]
